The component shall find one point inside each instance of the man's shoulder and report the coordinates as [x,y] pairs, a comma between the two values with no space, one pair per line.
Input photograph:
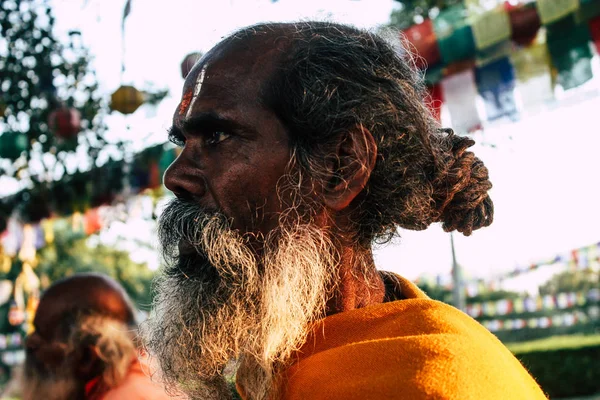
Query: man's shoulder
[408,349]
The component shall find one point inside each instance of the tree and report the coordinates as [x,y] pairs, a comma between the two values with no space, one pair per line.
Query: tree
[571,281]
[411,12]
[40,75]
[72,252]
[52,112]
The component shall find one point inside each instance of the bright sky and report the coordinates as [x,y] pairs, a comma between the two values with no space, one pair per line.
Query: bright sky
[545,178]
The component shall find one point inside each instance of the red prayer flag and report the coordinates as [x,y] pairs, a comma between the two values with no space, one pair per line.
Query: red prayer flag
[423,38]
[525,23]
[436,101]
[595,31]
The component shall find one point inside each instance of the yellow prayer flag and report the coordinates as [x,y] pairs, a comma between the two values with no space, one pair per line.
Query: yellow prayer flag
[531,61]
[490,27]
[553,10]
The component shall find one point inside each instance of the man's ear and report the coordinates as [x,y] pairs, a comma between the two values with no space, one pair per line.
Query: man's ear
[349,168]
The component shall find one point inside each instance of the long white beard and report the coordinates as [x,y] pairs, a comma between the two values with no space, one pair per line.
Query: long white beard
[230,305]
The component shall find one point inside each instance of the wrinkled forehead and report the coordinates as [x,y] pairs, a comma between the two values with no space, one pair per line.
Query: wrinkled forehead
[243,64]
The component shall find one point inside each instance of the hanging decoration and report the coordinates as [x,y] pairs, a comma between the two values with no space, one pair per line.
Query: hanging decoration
[588,9]
[460,93]
[65,122]
[13,144]
[570,52]
[455,38]
[188,62]
[424,43]
[496,83]
[475,33]
[525,23]
[553,10]
[490,26]
[595,32]
[533,71]
[532,304]
[126,99]
[436,101]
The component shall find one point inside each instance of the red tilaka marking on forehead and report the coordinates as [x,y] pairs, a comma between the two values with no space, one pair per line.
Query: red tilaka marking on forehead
[185,102]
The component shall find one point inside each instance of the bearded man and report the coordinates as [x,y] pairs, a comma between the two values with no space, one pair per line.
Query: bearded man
[302,144]
[83,345]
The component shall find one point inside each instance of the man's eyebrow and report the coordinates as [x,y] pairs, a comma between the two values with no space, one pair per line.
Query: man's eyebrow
[210,120]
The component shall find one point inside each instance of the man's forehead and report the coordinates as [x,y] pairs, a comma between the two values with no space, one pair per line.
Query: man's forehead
[253,56]
[227,76]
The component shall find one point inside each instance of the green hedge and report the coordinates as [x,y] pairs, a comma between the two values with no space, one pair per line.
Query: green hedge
[565,372]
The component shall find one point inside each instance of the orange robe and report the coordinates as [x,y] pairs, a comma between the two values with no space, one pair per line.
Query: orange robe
[409,349]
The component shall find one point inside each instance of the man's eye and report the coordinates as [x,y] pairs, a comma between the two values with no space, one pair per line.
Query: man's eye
[216,137]
[176,139]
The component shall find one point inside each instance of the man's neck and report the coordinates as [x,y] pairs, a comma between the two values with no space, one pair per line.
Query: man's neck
[359,284]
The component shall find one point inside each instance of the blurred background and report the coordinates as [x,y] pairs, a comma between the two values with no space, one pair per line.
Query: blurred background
[88,88]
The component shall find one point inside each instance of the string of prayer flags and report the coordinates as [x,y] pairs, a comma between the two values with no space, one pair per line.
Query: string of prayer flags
[10,341]
[455,37]
[560,319]
[496,84]
[460,93]
[532,304]
[570,52]
[553,10]
[490,26]
[424,42]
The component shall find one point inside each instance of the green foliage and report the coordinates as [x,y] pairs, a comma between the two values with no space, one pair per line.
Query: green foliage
[565,370]
[440,293]
[38,75]
[571,281]
[437,292]
[410,12]
[71,253]
[493,296]
[554,343]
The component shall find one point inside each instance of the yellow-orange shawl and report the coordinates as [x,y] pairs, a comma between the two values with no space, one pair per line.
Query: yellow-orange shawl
[415,348]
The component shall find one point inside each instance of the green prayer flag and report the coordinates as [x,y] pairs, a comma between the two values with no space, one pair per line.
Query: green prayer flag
[455,37]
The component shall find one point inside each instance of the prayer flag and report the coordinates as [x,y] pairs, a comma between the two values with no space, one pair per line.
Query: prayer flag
[490,27]
[460,93]
[455,37]
[436,100]
[422,38]
[519,305]
[533,71]
[525,23]
[595,32]
[588,9]
[570,52]
[553,10]
[496,83]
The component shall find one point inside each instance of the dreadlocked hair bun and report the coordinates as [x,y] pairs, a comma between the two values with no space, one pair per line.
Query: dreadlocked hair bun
[461,185]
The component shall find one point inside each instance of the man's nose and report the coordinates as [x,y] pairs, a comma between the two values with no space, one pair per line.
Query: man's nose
[182,179]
